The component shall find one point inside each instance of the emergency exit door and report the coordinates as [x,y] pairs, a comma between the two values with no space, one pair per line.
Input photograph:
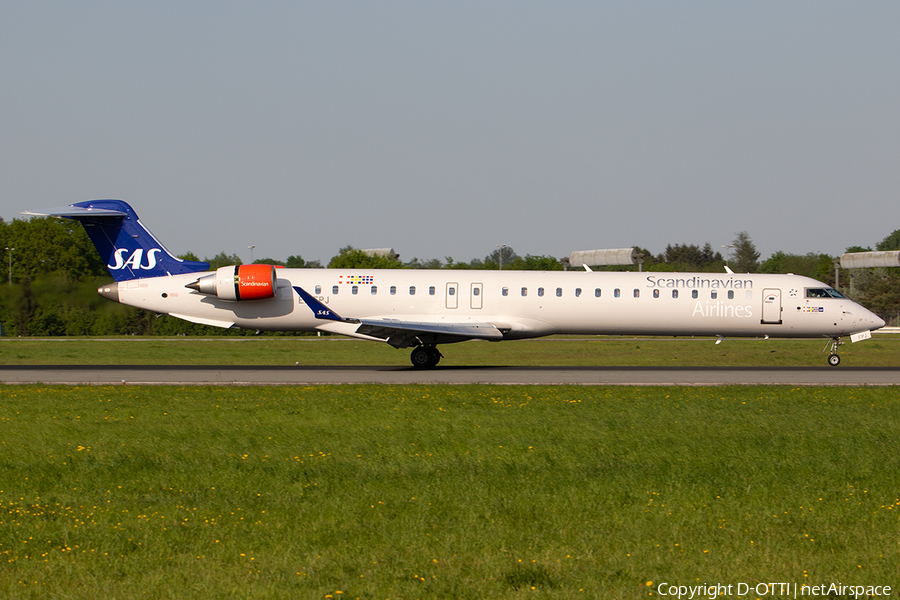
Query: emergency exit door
[475,296]
[452,297]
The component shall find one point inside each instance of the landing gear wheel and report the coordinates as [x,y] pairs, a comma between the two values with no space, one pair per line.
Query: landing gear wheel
[833,358]
[425,357]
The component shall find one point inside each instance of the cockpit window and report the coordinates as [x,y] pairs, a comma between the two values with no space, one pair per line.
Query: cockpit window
[823,293]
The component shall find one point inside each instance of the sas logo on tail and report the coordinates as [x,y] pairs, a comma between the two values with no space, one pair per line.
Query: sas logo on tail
[134,261]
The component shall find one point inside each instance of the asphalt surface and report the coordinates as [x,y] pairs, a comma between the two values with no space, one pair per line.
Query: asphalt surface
[306,375]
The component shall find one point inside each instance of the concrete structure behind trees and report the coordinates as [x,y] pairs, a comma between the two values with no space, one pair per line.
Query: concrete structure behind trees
[606,257]
[862,260]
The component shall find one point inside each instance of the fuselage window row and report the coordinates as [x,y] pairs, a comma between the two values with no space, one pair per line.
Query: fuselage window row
[598,292]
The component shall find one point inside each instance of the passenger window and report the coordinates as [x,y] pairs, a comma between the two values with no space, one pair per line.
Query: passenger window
[577,292]
[559,292]
[318,290]
[393,290]
[334,290]
[354,290]
[431,291]
[477,291]
[749,294]
[637,293]
[617,292]
[674,293]
[540,292]
[694,294]
[524,291]
[714,294]
[451,291]
[412,290]
[596,292]
[504,291]
[374,289]
[656,293]
[731,294]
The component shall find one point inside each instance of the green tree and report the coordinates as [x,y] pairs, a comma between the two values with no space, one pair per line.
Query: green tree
[493,260]
[690,257]
[297,262]
[416,263]
[891,242]
[269,261]
[452,264]
[48,245]
[745,258]
[536,263]
[352,258]
[817,266]
[223,260]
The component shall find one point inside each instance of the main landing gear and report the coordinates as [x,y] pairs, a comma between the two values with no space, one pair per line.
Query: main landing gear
[425,357]
[833,358]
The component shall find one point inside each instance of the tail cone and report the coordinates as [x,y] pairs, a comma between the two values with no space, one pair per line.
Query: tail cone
[109,291]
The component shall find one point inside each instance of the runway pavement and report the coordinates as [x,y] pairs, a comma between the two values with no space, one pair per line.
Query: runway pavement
[305,375]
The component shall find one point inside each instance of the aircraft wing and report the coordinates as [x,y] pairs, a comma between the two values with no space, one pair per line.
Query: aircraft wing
[402,333]
[386,328]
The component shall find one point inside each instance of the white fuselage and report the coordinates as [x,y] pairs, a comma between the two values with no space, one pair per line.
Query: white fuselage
[524,304]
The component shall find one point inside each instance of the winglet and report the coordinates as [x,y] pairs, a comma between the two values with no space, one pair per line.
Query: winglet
[320,310]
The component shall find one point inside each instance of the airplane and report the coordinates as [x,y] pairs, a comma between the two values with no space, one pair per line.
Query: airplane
[422,309]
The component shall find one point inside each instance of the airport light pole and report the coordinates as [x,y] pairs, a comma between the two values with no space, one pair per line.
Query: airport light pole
[728,252]
[500,255]
[251,252]
[10,264]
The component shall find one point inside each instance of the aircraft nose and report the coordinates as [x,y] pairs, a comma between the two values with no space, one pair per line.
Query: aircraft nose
[877,322]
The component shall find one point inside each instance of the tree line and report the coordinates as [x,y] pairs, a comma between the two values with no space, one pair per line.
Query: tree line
[53,272]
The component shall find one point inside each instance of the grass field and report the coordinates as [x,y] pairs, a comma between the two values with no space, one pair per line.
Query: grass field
[443,492]
[882,350]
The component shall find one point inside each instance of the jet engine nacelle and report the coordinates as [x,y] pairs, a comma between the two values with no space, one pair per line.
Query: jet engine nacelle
[239,283]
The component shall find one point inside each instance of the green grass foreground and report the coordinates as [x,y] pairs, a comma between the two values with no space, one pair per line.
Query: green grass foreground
[883,350]
[443,491]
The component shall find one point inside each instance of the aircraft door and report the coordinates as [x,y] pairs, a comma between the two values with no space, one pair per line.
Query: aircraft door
[452,295]
[475,296]
[771,312]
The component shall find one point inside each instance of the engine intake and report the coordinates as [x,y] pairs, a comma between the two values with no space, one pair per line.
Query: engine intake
[238,283]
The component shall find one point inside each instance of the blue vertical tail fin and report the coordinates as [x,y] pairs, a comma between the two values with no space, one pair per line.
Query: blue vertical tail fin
[128,248]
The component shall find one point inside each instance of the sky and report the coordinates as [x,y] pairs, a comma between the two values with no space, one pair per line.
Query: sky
[444,129]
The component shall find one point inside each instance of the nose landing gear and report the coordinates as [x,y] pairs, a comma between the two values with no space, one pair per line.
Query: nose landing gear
[425,357]
[833,358]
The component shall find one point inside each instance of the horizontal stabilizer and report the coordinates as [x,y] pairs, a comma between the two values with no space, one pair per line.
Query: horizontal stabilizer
[74,211]
[128,248]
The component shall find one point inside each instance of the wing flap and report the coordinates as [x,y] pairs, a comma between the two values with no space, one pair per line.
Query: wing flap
[388,328]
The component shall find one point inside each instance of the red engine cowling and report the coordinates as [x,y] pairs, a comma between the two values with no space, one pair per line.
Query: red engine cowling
[239,283]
